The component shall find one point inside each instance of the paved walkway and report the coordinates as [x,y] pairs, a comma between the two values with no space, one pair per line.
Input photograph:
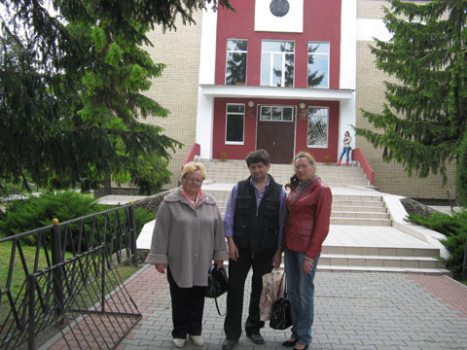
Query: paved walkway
[353,310]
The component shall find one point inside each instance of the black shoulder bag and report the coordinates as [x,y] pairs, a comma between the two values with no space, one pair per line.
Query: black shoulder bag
[218,283]
[281,316]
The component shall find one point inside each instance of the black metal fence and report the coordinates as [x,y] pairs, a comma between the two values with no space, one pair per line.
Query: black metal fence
[62,288]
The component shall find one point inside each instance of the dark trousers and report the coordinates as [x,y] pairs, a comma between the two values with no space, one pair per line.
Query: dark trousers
[187,309]
[238,271]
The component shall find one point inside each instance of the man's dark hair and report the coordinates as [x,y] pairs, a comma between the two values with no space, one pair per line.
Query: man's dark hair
[258,156]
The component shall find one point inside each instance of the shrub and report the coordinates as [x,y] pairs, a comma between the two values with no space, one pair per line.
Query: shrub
[454,227]
[35,212]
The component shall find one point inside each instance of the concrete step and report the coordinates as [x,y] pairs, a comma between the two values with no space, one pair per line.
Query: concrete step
[381,261]
[381,251]
[360,221]
[358,214]
[358,203]
[345,208]
[339,197]
[335,268]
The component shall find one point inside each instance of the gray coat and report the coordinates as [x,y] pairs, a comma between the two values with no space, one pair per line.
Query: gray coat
[187,239]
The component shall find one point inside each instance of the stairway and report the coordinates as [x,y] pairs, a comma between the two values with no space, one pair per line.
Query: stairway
[359,210]
[234,170]
[361,236]
[383,259]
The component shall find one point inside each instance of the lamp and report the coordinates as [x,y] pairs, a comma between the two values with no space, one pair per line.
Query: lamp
[302,105]
[251,103]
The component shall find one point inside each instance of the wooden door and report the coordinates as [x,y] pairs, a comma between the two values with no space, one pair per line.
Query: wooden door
[277,136]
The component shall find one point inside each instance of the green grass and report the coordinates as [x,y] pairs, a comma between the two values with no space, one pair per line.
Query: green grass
[16,285]
[18,275]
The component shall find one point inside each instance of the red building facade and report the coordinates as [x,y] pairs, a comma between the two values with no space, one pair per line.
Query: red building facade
[276,82]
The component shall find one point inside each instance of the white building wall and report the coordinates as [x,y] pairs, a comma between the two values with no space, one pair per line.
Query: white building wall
[348,68]
[207,70]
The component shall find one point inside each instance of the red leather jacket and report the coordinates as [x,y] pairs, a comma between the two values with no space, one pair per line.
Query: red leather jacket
[308,218]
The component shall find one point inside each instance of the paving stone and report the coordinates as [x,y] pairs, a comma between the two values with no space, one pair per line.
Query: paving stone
[353,311]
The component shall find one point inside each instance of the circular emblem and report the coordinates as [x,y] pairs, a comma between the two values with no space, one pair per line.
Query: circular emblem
[279,8]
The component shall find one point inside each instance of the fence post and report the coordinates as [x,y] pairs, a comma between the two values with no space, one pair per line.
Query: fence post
[30,290]
[132,223]
[464,265]
[104,267]
[57,260]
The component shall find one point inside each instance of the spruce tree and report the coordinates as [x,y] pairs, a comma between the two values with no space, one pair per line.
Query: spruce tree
[423,119]
[72,82]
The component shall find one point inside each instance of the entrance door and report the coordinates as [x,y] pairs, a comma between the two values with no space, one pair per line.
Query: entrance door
[276,128]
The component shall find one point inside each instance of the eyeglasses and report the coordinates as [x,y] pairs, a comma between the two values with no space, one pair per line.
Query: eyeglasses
[193,180]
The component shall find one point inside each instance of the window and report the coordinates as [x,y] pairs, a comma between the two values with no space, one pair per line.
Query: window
[235,121]
[318,65]
[235,68]
[318,121]
[277,63]
[276,113]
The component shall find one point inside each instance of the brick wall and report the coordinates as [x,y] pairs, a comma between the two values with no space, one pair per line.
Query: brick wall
[177,88]
[370,8]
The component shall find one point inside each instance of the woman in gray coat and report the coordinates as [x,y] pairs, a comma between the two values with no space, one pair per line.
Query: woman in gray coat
[187,237]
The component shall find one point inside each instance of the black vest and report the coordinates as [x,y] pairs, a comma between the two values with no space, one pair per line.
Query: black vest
[257,229]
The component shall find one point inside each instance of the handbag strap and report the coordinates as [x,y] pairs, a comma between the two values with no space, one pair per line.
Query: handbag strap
[283,280]
[217,307]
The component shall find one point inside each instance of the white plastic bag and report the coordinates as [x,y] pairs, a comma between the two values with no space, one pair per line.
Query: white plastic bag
[272,288]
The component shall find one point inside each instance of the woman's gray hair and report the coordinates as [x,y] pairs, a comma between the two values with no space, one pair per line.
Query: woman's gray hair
[191,167]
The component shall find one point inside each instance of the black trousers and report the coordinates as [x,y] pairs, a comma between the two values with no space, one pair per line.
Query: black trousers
[187,309]
[238,271]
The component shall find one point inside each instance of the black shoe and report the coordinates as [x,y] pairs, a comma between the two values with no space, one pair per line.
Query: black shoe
[229,344]
[256,338]
[289,343]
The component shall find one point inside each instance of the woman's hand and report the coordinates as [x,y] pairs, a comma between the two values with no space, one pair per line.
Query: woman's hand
[276,259]
[308,265]
[161,268]
[219,263]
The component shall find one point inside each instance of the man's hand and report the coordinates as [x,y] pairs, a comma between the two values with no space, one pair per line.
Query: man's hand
[276,259]
[233,250]
[161,268]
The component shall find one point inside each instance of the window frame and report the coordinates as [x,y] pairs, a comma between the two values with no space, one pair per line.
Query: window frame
[227,113]
[272,55]
[328,55]
[227,60]
[308,126]
[282,107]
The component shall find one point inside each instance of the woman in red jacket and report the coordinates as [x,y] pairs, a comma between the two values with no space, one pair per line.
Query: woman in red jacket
[307,225]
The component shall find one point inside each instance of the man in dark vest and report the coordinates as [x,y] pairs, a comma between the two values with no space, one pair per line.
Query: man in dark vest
[253,224]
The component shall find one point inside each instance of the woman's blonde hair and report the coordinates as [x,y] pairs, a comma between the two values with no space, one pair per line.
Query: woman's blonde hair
[191,167]
[294,180]
[306,155]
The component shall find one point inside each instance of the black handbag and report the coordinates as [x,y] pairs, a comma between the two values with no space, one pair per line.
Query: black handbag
[281,315]
[218,283]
